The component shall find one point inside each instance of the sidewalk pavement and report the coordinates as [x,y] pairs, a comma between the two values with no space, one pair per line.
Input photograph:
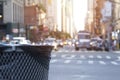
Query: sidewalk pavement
[117,51]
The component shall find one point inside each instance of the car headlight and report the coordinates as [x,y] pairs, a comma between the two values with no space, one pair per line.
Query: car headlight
[77,42]
[91,43]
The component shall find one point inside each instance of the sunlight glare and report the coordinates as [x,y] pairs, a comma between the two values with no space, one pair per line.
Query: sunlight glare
[79,13]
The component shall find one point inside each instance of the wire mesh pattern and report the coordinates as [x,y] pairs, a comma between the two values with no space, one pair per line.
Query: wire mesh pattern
[19,65]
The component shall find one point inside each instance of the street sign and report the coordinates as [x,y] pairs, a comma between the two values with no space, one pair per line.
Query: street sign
[15,30]
[107,11]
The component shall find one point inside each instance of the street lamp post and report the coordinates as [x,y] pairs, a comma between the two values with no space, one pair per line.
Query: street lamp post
[107,19]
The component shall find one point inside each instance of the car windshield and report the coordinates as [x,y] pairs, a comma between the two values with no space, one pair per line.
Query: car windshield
[83,36]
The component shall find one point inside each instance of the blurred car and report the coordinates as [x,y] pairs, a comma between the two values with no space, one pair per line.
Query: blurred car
[64,42]
[82,40]
[20,40]
[106,45]
[96,44]
[69,42]
[52,42]
[60,43]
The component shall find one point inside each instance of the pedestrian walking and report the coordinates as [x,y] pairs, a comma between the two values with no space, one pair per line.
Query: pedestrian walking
[114,44]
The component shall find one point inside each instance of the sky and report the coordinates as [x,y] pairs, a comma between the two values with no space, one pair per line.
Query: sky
[79,13]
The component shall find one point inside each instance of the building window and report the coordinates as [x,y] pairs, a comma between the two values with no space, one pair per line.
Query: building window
[1,13]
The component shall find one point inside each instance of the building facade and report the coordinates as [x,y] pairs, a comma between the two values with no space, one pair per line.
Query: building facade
[90,17]
[34,2]
[116,15]
[95,23]
[67,22]
[33,12]
[51,14]
[12,18]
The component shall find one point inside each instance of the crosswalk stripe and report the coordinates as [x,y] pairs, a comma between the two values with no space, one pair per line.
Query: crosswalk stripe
[108,57]
[91,56]
[90,62]
[70,57]
[119,57]
[82,56]
[53,55]
[63,56]
[67,61]
[114,63]
[79,62]
[102,62]
[100,57]
[53,60]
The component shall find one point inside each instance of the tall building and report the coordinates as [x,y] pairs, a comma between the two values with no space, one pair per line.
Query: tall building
[33,12]
[90,16]
[116,14]
[94,17]
[12,20]
[67,23]
[34,2]
[70,28]
[51,12]
[63,23]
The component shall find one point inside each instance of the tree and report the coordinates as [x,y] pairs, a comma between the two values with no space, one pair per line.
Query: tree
[98,17]
[60,35]
[41,7]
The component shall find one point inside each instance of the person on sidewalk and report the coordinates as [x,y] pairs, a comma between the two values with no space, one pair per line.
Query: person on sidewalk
[114,44]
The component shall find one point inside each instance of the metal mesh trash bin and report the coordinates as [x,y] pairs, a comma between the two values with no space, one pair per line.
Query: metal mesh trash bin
[26,62]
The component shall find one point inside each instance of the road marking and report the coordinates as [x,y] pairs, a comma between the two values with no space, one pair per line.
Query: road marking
[79,62]
[53,55]
[66,51]
[82,57]
[117,51]
[67,61]
[53,60]
[63,56]
[72,51]
[90,62]
[71,57]
[119,57]
[114,63]
[91,56]
[58,51]
[81,76]
[108,57]
[102,62]
[100,57]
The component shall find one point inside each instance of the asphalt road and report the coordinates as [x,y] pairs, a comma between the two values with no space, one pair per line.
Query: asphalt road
[68,64]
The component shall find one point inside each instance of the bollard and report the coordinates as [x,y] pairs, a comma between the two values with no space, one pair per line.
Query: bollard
[26,62]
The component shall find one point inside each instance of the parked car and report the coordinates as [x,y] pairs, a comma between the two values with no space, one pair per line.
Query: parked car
[96,44]
[52,42]
[20,40]
[60,43]
[106,45]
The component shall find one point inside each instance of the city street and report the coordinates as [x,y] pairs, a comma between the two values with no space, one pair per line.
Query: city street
[68,64]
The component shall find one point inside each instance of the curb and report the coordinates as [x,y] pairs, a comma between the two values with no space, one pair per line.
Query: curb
[116,52]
